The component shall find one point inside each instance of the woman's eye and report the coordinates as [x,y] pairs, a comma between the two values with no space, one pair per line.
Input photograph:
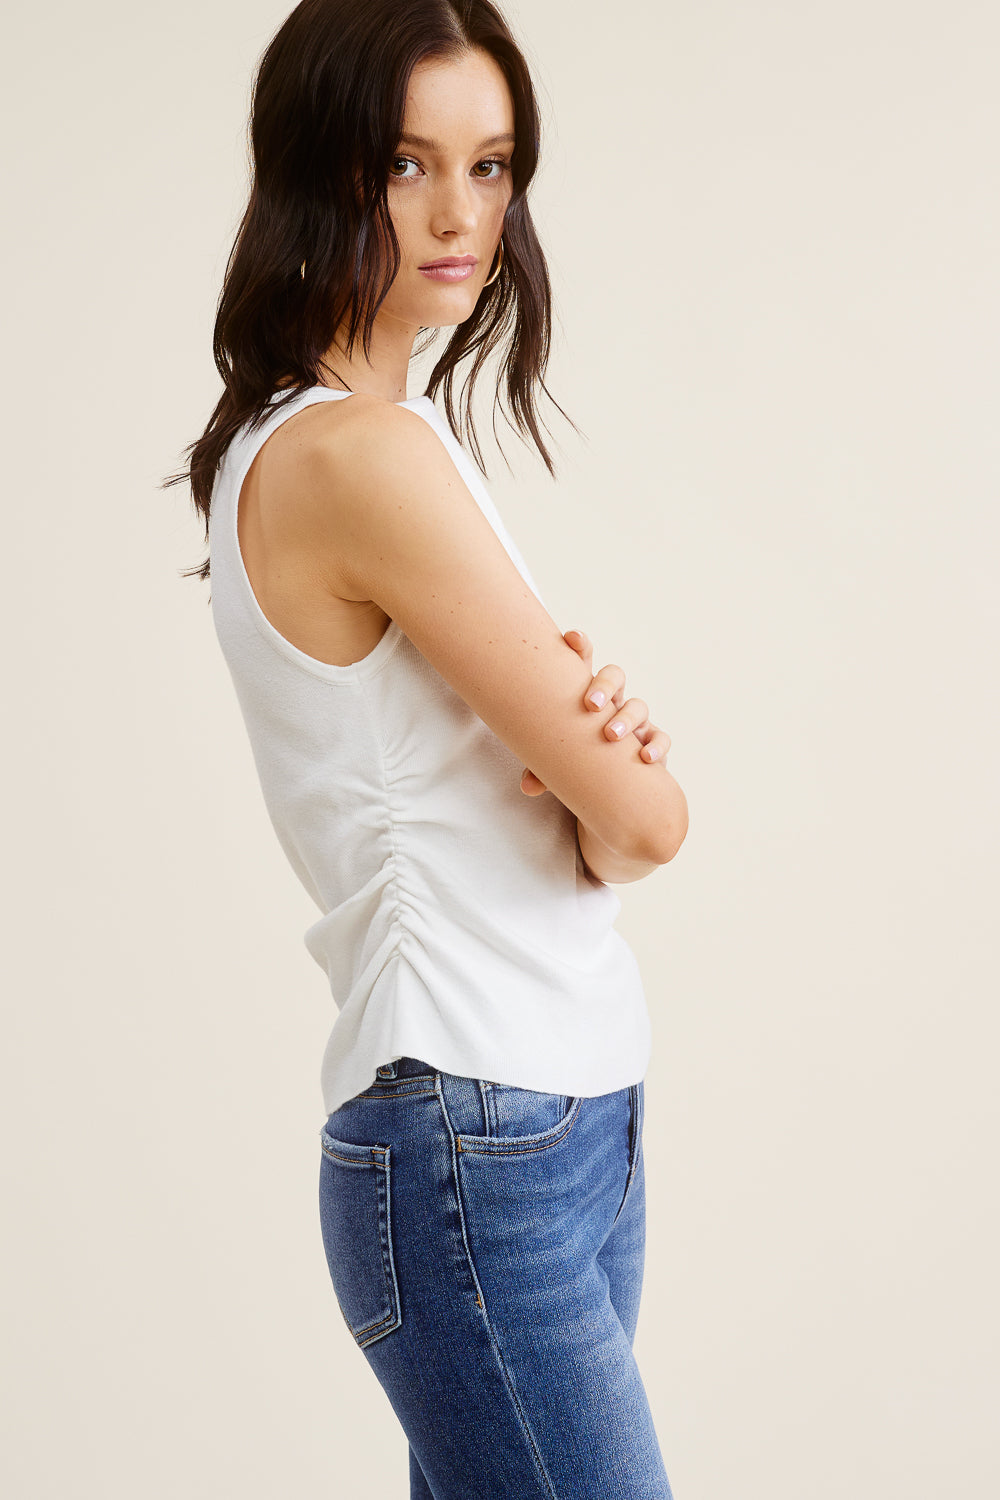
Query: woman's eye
[493,161]
[396,161]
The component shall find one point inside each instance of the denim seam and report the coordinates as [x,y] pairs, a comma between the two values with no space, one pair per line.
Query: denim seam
[634,1144]
[508,1381]
[388,1259]
[380,1157]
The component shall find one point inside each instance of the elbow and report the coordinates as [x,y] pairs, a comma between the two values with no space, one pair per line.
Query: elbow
[658,841]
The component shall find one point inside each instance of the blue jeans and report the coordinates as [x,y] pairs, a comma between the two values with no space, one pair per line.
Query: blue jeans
[486,1247]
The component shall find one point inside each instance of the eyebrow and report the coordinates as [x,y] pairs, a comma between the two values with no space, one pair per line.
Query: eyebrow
[427,145]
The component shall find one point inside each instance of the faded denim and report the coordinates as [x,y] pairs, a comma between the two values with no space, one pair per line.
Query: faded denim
[486,1247]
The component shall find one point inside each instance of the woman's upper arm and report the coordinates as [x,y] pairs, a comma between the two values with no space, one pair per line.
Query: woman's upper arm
[403,527]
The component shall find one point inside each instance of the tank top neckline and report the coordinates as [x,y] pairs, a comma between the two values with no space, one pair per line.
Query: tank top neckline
[329,390]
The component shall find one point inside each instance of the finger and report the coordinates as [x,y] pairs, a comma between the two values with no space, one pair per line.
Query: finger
[654,742]
[631,715]
[581,644]
[608,686]
[531,786]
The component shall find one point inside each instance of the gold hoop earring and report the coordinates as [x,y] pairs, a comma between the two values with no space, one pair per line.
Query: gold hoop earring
[302,270]
[490,279]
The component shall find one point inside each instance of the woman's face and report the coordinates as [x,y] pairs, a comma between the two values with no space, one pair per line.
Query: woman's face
[449,186]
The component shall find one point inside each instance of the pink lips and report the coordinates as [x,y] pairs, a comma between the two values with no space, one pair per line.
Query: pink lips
[449,268]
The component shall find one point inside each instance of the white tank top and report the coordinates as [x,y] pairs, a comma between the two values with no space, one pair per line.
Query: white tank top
[458,923]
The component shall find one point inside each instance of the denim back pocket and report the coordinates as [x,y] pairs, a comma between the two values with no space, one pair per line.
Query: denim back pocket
[355,1205]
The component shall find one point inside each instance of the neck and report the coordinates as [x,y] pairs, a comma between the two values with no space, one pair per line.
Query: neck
[384,372]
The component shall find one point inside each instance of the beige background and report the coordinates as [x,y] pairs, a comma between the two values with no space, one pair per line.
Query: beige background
[773,233]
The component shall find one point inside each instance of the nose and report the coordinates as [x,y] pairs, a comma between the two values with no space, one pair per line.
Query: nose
[453,206]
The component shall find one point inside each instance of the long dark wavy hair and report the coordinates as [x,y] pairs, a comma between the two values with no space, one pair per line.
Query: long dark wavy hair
[326,115]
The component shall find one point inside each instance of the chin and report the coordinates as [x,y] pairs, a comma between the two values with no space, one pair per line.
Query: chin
[440,312]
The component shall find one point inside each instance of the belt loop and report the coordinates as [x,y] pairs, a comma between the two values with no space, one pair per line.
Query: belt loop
[462,1100]
[387,1070]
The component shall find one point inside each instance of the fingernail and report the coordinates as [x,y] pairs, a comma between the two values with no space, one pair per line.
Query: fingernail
[597,697]
[617,728]
[653,752]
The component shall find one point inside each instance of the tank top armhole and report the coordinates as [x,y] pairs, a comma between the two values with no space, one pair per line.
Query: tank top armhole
[250,445]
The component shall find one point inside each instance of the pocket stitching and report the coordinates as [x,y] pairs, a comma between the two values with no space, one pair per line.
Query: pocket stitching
[378,1159]
[521,1145]
[390,1088]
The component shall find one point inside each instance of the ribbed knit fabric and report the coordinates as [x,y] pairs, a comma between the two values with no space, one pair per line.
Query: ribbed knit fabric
[458,923]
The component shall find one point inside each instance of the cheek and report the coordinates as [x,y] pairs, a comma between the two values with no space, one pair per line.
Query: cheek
[504,205]
[397,218]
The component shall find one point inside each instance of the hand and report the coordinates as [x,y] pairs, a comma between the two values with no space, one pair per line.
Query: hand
[634,714]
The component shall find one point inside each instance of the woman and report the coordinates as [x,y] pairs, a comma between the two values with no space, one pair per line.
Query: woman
[437,768]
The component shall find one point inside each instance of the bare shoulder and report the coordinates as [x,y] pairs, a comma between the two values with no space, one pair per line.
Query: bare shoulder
[359,450]
[330,460]
[329,427]
[372,470]
[369,438]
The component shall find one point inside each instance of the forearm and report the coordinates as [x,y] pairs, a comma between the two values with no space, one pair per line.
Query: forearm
[606,863]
